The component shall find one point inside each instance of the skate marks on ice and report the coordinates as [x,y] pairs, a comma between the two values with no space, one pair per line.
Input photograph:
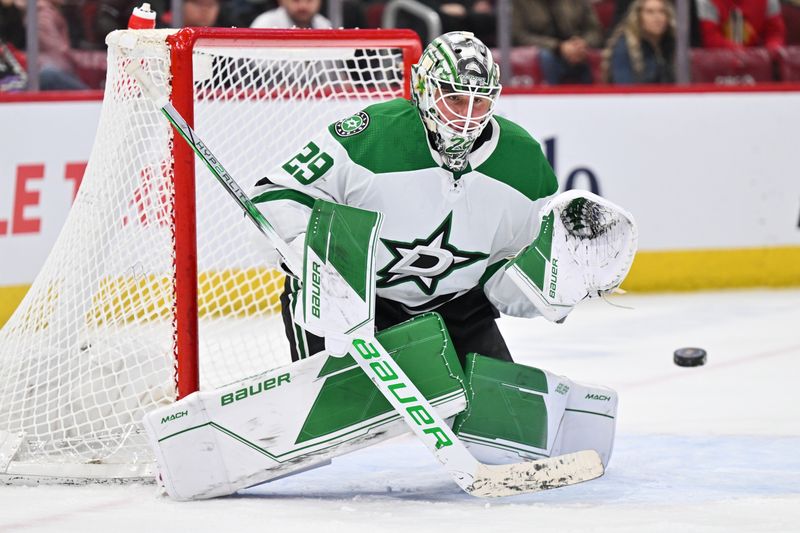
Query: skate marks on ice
[654,483]
[645,469]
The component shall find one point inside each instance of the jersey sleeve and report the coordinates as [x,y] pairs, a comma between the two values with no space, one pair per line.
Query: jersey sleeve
[506,297]
[319,169]
[533,178]
[499,289]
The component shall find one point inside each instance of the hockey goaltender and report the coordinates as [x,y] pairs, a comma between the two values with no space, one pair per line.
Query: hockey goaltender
[415,223]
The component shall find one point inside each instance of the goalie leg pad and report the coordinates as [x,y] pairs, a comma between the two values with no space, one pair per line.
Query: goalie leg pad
[589,421]
[289,419]
[517,411]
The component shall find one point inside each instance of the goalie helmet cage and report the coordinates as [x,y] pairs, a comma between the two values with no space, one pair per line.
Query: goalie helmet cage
[157,284]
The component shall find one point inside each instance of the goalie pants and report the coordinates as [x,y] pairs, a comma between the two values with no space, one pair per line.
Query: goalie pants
[470,321]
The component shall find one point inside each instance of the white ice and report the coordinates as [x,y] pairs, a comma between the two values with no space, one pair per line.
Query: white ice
[709,449]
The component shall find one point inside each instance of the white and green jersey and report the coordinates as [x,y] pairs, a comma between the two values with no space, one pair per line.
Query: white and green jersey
[443,233]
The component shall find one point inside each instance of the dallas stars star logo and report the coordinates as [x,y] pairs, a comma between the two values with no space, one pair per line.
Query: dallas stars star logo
[349,124]
[352,125]
[425,261]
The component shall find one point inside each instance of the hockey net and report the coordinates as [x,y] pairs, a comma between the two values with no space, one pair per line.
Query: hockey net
[157,284]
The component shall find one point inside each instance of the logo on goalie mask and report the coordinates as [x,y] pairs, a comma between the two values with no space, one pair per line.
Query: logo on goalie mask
[473,72]
[427,261]
[352,125]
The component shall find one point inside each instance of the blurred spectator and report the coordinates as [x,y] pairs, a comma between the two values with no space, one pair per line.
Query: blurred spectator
[77,26]
[354,14]
[739,23]
[293,13]
[58,69]
[642,47]
[242,12]
[12,22]
[564,31]
[114,14]
[621,9]
[476,16]
[201,13]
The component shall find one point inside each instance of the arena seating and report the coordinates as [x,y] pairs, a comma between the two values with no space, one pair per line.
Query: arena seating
[789,64]
[730,67]
[373,14]
[595,64]
[91,67]
[724,67]
[604,9]
[524,65]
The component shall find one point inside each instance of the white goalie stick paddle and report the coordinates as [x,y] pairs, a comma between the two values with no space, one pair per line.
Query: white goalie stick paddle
[473,477]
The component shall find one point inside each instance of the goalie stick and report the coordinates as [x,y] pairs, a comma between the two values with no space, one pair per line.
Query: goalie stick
[473,477]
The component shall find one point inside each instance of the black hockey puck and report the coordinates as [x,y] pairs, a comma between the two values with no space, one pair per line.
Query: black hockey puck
[689,357]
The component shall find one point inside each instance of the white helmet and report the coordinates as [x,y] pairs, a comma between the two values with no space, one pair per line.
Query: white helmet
[455,86]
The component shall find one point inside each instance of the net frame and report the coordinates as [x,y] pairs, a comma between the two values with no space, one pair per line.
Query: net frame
[186,349]
[181,60]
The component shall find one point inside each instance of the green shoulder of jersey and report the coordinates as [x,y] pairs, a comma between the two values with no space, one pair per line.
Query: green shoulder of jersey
[390,137]
[518,162]
[385,137]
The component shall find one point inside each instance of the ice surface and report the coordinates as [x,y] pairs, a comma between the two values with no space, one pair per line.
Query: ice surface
[709,449]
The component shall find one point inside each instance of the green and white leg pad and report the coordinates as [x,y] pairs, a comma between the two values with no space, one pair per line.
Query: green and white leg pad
[516,411]
[298,416]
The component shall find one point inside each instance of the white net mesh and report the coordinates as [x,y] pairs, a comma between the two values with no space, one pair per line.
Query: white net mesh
[92,346]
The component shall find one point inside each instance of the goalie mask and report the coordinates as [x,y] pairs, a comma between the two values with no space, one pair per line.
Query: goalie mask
[455,86]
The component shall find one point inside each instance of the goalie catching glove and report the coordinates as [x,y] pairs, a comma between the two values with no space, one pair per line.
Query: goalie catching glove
[585,248]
